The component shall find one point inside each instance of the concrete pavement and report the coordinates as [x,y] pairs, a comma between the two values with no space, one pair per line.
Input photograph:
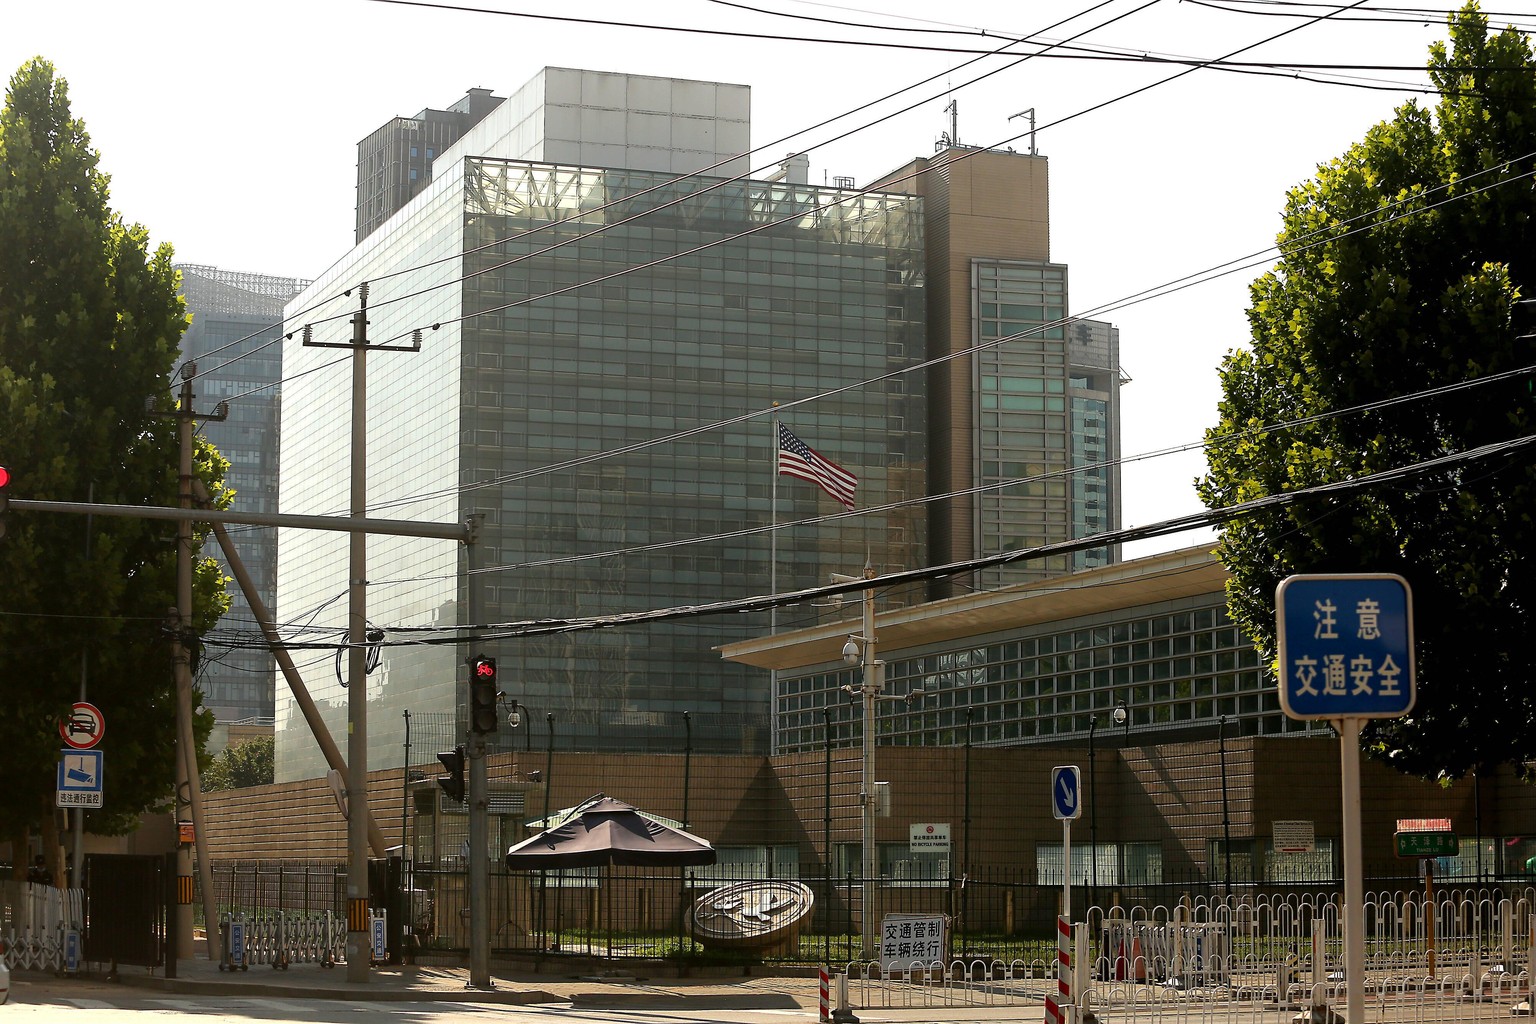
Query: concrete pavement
[509,985]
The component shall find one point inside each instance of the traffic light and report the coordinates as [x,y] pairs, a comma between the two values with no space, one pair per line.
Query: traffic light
[5,496]
[482,694]
[453,782]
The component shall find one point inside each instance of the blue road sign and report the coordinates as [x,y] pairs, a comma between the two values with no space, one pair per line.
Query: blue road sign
[1346,646]
[79,778]
[1066,792]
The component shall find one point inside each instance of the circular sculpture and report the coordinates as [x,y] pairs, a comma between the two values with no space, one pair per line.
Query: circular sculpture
[763,915]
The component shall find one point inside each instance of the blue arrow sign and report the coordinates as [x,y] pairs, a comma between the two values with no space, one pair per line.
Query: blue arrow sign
[1345,646]
[1066,792]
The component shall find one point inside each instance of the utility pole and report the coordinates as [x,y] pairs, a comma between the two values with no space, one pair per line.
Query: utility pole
[479,794]
[182,637]
[357,947]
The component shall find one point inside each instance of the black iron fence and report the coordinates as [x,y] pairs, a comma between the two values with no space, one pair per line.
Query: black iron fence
[617,913]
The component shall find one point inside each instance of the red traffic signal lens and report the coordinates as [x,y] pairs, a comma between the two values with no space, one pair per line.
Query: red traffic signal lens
[5,476]
[485,668]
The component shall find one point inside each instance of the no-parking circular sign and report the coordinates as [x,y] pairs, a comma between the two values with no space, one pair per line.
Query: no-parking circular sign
[84,727]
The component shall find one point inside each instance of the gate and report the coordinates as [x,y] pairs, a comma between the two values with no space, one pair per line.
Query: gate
[125,909]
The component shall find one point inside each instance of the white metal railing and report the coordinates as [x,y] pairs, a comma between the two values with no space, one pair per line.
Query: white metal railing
[36,923]
[1465,956]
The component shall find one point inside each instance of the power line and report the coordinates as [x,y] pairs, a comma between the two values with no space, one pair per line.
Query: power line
[1282,69]
[1319,237]
[1179,524]
[1396,209]
[998,486]
[715,166]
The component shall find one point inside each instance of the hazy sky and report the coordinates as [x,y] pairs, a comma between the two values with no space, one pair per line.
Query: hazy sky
[230,130]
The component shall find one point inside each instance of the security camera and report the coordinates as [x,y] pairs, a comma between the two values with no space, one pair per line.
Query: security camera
[1120,716]
[851,652]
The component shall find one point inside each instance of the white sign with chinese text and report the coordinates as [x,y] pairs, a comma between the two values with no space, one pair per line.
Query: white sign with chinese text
[79,778]
[928,835]
[913,941]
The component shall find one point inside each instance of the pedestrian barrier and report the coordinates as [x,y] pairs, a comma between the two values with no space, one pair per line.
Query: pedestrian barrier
[280,938]
[38,919]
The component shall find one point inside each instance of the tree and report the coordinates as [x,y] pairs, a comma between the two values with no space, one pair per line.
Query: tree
[90,320]
[1404,267]
[244,764]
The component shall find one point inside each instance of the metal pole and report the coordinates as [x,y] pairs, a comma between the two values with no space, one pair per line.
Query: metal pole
[1354,885]
[77,859]
[1226,817]
[296,686]
[1066,870]
[871,691]
[549,764]
[826,835]
[182,657]
[965,849]
[687,764]
[1093,809]
[479,797]
[357,662]
[405,784]
[407,855]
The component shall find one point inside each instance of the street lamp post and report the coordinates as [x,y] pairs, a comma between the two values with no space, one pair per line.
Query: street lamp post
[516,716]
[1093,809]
[860,650]
[1226,818]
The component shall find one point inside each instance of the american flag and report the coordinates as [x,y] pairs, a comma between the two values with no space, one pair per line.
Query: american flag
[796,458]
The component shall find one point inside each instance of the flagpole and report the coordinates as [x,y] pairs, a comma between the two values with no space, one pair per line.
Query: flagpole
[773,525]
[773,583]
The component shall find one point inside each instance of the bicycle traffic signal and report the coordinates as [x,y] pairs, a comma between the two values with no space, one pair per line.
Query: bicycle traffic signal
[483,694]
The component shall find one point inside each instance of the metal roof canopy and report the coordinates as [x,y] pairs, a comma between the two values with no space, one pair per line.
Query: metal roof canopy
[1187,572]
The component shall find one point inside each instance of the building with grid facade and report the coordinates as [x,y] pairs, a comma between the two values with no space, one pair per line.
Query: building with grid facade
[395,161]
[1048,662]
[543,346]
[1024,414]
[511,399]
[233,337]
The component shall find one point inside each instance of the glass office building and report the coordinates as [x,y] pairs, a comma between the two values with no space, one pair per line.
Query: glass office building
[578,327]
[234,338]
[1046,404]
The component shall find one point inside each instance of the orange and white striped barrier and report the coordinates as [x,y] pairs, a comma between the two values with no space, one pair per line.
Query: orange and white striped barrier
[826,993]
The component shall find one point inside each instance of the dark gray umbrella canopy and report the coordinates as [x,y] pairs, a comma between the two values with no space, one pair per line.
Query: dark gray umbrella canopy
[606,831]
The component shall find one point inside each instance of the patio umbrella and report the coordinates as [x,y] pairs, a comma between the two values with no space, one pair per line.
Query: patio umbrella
[605,831]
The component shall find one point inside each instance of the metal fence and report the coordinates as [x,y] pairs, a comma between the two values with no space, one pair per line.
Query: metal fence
[35,921]
[995,916]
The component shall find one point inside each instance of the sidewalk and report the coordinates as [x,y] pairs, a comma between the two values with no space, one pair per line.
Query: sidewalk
[387,983]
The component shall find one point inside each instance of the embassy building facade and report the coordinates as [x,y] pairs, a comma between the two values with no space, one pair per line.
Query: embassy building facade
[588,292]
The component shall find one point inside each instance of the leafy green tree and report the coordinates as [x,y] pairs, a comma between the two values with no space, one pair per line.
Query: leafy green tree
[244,764]
[1404,265]
[89,326]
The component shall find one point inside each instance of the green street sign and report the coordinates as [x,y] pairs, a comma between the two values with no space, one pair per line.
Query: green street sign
[1426,844]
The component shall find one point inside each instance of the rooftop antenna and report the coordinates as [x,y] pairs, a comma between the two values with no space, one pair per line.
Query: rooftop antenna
[953,110]
[1030,113]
